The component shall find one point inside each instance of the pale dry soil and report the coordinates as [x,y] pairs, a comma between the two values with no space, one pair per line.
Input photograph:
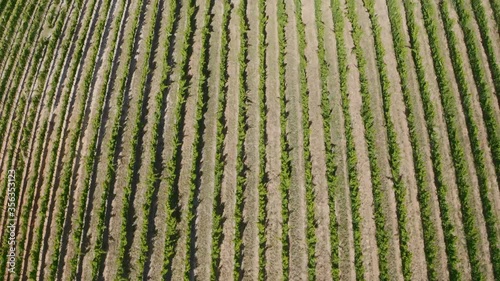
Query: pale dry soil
[274,267]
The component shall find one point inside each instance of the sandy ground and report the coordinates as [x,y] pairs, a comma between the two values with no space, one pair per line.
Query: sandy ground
[297,219]
[274,268]
[250,262]
[229,179]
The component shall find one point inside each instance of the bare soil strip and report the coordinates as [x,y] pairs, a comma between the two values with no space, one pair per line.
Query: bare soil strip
[297,221]
[250,263]
[274,267]
[228,190]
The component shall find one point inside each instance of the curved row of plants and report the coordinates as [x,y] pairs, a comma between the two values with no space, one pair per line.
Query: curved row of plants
[220,161]
[109,180]
[17,121]
[12,28]
[381,234]
[16,66]
[478,153]
[343,68]
[62,46]
[90,158]
[26,137]
[35,252]
[67,172]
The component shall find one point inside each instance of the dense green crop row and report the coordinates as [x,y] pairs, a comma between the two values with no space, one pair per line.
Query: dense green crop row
[478,154]
[111,159]
[457,148]
[199,128]
[241,167]
[352,160]
[43,78]
[13,73]
[17,159]
[428,225]
[218,208]
[486,38]
[286,164]
[89,160]
[263,178]
[393,147]
[11,22]
[11,156]
[434,139]
[67,172]
[381,233]
[132,169]
[306,127]
[173,168]
[484,91]
[138,131]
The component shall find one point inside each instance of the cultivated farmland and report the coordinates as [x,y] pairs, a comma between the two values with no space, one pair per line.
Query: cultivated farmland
[250,140]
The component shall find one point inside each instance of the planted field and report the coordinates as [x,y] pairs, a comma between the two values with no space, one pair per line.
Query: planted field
[250,140]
